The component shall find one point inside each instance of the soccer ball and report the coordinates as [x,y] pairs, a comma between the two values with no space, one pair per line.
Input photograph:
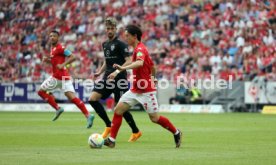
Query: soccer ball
[95,140]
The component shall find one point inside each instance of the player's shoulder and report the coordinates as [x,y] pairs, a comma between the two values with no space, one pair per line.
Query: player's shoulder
[141,47]
[120,42]
[104,43]
[60,46]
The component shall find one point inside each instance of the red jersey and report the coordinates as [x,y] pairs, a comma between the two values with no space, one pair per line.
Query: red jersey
[58,54]
[142,81]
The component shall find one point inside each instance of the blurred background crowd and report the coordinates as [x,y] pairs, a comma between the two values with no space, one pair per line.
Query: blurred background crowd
[193,38]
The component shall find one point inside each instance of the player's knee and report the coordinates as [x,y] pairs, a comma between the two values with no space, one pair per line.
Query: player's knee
[70,95]
[117,110]
[154,119]
[120,109]
[40,92]
[95,96]
[93,99]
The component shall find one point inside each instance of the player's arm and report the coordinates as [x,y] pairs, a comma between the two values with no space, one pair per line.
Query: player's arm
[137,64]
[153,71]
[128,61]
[71,58]
[116,72]
[101,70]
[46,59]
[126,54]
[153,74]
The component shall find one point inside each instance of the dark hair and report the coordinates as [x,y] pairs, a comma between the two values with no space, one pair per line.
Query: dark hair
[110,21]
[55,31]
[134,30]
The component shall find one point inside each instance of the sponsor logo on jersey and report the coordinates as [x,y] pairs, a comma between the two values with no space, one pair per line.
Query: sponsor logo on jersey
[107,53]
[112,47]
[139,54]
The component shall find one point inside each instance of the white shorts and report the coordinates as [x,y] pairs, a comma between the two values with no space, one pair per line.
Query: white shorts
[148,100]
[52,84]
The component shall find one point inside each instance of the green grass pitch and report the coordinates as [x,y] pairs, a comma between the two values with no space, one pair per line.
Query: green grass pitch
[209,139]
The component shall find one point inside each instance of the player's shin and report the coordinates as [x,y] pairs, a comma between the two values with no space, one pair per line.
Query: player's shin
[165,123]
[130,121]
[97,106]
[115,126]
[49,98]
[81,106]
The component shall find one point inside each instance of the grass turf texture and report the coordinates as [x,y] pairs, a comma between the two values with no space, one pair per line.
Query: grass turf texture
[209,139]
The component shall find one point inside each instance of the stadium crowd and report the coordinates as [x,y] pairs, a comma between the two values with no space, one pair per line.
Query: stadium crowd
[196,38]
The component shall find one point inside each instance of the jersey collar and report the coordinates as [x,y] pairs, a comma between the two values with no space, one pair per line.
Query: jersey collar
[113,39]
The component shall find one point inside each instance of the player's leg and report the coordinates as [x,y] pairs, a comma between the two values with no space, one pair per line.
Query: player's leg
[101,92]
[98,107]
[166,123]
[48,97]
[51,100]
[126,101]
[136,133]
[120,109]
[79,103]
[69,92]
[150,104]
[49,85]
[128,117]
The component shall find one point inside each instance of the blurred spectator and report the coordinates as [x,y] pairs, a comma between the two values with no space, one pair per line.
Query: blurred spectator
[272,76]
[180,95]
[195,96]
[201,34]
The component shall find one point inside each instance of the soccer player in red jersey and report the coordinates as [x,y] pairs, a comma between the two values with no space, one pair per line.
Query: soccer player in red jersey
[143,89]
[59,58]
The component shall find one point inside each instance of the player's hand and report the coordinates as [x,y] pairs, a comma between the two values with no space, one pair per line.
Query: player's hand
[45,59]
[112,75]
[155,81]
[60,66]
[119,67]
[97,74]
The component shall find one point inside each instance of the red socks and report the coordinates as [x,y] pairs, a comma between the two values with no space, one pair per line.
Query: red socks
[116,124]
[81,106]
[117,121]
[165,123]
[49,98]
